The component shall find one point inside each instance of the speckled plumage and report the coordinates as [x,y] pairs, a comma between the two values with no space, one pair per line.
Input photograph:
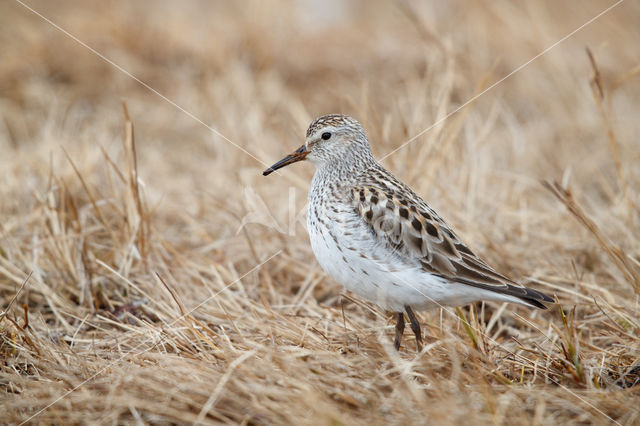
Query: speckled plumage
[379,239]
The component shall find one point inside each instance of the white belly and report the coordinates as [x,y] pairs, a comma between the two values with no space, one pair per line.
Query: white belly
[347,252]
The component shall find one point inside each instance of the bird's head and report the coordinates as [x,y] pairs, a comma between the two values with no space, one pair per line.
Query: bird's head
[329,138]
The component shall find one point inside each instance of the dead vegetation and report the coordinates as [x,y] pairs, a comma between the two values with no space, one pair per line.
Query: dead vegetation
[155,276]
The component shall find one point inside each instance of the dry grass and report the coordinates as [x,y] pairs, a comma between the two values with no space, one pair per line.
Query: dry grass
[145,300]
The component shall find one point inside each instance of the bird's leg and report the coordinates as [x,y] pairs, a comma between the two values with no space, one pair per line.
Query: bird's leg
[415,326]
[399,330]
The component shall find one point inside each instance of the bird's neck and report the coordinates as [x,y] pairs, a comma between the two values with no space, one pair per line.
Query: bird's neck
[344,169]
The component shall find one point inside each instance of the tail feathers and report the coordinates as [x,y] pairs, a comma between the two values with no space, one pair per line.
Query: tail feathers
[528,296]
[535,298]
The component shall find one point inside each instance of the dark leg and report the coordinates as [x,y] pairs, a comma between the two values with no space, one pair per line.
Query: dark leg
[399,330]
[415,326]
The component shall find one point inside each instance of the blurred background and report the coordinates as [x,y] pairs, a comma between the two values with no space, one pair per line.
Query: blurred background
[224,89]
[259,72]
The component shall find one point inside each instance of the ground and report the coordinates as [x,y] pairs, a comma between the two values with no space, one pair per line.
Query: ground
[150,273]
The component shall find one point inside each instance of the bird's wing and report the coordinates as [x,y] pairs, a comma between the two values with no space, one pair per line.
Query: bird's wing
[399,218]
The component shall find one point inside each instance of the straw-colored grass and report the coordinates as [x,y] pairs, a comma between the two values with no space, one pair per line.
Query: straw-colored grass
[149,273]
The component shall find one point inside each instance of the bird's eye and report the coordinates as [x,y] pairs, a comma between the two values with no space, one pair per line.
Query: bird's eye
[326,136]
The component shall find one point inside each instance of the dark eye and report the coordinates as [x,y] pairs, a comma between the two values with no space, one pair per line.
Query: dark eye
[326,136]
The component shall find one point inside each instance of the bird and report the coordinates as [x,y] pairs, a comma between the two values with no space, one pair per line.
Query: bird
[374,235]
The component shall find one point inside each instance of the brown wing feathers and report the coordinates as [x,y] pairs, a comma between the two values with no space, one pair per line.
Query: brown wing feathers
[415,231]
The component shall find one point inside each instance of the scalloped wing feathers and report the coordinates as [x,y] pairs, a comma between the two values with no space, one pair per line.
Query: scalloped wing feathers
[400,219]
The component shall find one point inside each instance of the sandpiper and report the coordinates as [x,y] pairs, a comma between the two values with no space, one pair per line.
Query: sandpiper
[379,239]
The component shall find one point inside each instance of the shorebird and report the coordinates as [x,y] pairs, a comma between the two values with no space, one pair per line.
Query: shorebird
[380,240]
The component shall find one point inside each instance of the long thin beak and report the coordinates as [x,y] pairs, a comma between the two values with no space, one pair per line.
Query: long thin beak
[297,155]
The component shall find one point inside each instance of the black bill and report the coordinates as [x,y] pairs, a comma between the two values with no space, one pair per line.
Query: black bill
[297,155]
